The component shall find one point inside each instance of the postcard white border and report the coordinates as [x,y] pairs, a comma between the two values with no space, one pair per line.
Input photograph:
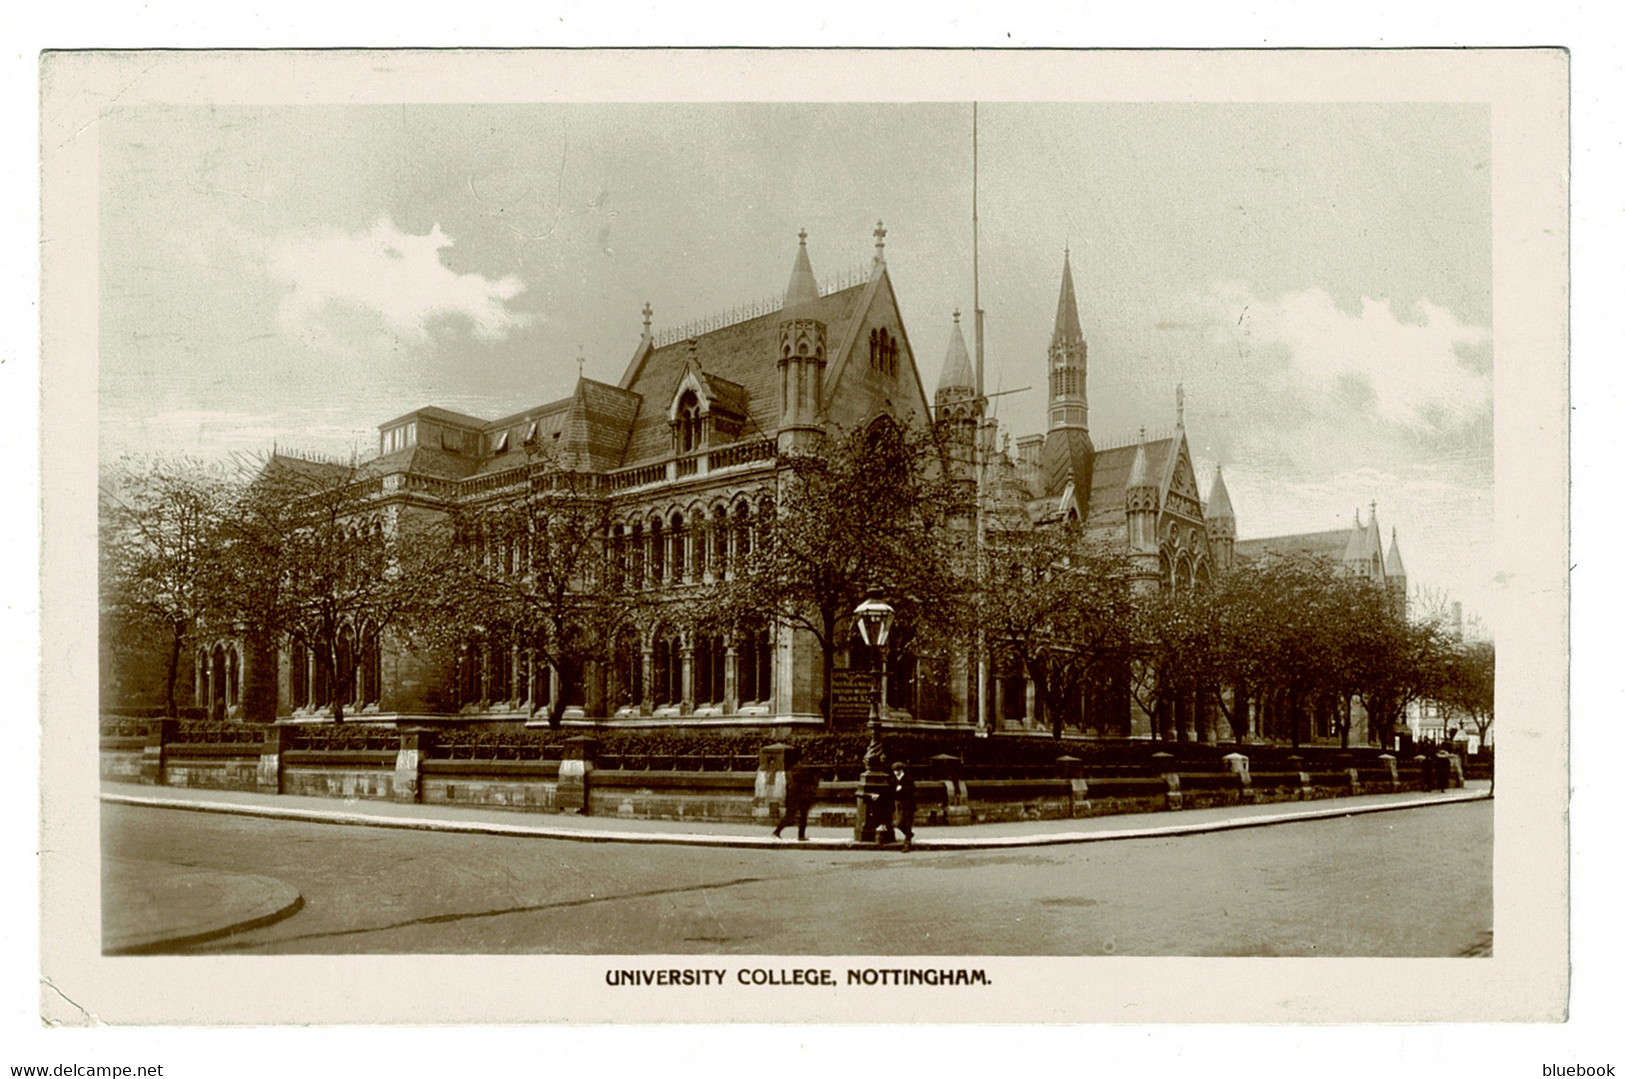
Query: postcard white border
[1525,979]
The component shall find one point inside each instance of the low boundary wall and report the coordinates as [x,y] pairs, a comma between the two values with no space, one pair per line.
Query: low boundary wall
[721,789]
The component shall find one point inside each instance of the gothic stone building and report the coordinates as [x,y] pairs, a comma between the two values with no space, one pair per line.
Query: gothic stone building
[685,445]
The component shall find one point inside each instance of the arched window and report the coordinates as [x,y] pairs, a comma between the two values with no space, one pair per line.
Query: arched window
[755,658]
[708,670]
[678,561]
[635,559]
[298,676]
[668,670]
[699,543]
[742,530]
[718,534]
[690,429]
[657,552]
[628,688]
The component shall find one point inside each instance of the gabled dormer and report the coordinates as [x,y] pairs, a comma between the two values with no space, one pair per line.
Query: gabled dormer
[705,411]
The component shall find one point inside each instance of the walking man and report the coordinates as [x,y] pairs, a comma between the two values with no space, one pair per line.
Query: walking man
[902,799]
[800,792]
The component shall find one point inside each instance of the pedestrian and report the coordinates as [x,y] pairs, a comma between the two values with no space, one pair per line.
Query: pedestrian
[903,799]
[800,792]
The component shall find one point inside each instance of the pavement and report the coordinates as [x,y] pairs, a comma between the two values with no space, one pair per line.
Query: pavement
[151,906]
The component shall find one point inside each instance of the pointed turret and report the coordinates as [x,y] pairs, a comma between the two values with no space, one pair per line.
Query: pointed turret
[1218,499]
[957,373]
[1221,521]
[803,288]
[1142,506]
[1398,585]
[958,409]
[801,356]
[1139,473]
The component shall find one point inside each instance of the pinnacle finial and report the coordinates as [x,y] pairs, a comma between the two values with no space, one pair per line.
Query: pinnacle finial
[1179,404]
[802,235]
[956,315]
[1142,434]
[648,316]
[880,242]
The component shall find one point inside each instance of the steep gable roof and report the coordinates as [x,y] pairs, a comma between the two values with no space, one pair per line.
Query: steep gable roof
[1109,484]
[744,354]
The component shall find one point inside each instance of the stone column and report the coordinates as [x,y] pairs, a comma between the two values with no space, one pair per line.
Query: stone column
[575,775]
[1306,784]
[1072,771]
[1240,767]
[408,785]
[947,768]
[160,732]
[1165,764]
[687,649]
[730,679]
[268,777]
[646,706]
[1391,762]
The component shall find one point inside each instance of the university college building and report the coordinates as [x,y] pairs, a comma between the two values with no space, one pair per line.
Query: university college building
[686,446]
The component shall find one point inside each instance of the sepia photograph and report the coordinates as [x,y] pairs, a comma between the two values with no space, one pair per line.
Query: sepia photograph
[821,545]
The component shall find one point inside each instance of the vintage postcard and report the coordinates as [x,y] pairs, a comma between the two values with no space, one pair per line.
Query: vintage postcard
[802,535]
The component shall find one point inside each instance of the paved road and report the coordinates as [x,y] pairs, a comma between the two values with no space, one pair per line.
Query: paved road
[1404,883]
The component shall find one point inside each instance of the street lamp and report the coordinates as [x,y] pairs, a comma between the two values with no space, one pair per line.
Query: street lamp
[874,619]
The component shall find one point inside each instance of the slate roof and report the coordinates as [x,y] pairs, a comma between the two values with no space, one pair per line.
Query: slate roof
[1328,544]
[744,354]
[1110,481]
[1068,457]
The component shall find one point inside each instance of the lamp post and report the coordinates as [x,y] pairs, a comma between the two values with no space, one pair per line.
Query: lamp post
[874,620]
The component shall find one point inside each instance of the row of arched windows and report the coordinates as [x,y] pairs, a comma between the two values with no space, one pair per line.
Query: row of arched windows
[315,682]
[644,673]
[1065,381]
[675,549]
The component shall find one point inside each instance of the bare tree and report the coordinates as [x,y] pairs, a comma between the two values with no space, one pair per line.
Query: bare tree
[869,510]
[534,567]
[160,523]
[1057,606]
[310,553]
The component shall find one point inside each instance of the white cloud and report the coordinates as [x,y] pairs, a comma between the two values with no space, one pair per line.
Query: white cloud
[390,274]
[1410,372]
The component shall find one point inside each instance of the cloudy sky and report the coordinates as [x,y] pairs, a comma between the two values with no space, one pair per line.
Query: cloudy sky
[1317,276]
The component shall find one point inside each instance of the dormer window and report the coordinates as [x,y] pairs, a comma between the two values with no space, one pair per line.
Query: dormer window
[530,434]
[690,424]
[501,444]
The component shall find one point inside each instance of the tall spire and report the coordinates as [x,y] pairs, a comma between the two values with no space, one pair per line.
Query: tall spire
[1068,361]
[1067,330]
[803,289]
